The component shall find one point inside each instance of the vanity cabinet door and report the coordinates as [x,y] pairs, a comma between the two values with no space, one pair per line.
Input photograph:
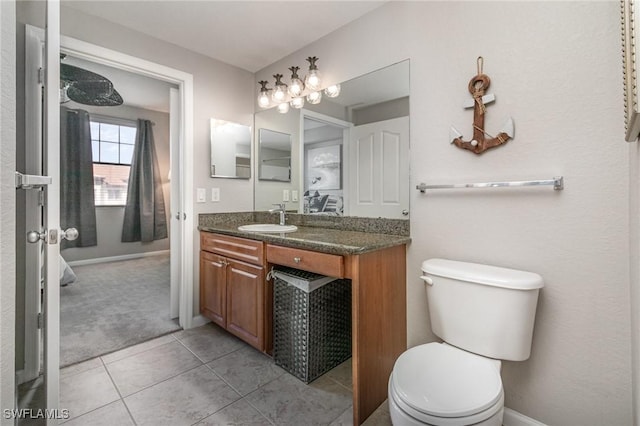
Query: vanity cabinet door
[213,287]
[245,302]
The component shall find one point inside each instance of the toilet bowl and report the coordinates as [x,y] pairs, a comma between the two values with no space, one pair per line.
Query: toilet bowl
[438,384]
[483,314]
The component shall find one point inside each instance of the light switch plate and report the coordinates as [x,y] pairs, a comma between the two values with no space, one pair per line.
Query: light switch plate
[285,195]
[201,196]
[215,195]
[294,195]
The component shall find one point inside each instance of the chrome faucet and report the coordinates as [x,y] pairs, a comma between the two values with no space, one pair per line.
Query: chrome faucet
[280,209]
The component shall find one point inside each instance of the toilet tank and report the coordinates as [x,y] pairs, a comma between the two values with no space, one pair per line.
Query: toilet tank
[483,309]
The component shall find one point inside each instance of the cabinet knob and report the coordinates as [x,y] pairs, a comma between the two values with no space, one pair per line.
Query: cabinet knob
[297,259]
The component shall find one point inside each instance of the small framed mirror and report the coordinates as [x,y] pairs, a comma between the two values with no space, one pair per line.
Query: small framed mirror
[274,156]
[230,150]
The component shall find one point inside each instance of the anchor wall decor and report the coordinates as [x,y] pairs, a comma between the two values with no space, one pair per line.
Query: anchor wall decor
[478,86]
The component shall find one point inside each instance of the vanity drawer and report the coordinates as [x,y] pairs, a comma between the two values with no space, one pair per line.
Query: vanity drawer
[321,263]
[238,248]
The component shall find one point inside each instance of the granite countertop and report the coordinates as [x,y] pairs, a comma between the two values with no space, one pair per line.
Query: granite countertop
[326,240]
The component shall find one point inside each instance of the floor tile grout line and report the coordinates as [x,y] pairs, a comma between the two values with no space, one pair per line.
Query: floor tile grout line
[163,380]
[214,359]
[256,408]
[137,353]
[119,393]
[223,379]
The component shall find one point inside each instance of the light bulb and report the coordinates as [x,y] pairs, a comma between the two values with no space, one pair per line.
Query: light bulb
[283,108]
[263,100]
[314,97]
[313,80]
[296,86]
[297,103]
[332,91]
[278,94]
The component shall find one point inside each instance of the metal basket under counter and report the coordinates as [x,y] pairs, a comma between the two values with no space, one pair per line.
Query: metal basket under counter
[312,322]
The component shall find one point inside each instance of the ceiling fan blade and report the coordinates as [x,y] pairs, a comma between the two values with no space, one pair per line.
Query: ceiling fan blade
[89,88]
[97,99]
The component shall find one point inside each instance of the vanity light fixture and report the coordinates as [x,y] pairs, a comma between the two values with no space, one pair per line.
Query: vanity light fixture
[293,95]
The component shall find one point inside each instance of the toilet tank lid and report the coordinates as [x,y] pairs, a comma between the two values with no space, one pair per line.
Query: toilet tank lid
[483,274]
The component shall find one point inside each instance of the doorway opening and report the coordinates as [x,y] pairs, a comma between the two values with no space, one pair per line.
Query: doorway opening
[177,129]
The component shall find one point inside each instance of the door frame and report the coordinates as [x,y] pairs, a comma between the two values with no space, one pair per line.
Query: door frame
[183,185]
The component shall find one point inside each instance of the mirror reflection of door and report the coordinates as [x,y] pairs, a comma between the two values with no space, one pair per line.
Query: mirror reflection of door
[379,155]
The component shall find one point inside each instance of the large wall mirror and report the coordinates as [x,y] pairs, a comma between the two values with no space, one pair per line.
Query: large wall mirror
[350,154]
[230,150]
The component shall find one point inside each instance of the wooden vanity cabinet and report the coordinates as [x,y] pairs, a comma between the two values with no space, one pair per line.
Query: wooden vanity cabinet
[234,293]
[232,286]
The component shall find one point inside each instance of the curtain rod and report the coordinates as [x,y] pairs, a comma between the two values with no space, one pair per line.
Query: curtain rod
[99,116]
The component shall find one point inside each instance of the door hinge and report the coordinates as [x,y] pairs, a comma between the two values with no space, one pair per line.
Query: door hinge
[40,75]
[40,321]
[42,199]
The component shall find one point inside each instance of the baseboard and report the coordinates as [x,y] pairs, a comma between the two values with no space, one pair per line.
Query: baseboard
[116,258]
[513,418]
[199,320]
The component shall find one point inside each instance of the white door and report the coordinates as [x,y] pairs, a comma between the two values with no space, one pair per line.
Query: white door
[379,154]
[176,218]
[31,204]
[44,227]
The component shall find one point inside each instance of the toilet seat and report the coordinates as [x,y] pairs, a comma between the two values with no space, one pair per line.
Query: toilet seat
[440,384]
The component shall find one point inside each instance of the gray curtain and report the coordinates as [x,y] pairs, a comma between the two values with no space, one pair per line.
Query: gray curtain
[77,205]
[144,215]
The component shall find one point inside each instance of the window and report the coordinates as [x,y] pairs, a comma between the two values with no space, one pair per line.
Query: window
[112,143]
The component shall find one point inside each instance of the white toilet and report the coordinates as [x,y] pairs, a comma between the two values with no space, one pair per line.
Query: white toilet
[484,314]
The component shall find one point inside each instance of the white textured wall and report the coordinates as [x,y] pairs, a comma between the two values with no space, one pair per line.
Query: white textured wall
[556,69]
[7,205]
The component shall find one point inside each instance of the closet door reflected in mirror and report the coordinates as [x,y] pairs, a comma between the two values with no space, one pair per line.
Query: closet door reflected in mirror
[230,150]
[274,156]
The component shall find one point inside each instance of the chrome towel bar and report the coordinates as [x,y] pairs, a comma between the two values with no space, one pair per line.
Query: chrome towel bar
[557,182]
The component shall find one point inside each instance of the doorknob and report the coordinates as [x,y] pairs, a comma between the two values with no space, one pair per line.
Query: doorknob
[35,236]
[405,212]
[70,234]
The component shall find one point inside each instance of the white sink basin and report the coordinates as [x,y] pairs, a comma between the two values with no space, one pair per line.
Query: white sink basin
[267,227]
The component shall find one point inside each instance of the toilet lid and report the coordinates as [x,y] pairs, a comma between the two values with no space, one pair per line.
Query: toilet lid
[444,381]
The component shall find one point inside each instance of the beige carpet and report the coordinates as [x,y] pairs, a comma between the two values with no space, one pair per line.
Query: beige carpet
[114,305]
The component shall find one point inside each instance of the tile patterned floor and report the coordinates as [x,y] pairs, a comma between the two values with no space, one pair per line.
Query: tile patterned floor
[203,376]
